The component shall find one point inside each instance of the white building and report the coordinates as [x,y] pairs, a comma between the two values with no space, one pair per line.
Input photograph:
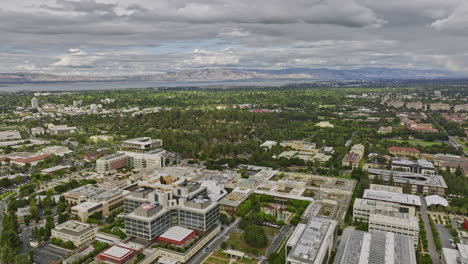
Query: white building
[35,131]
[34,103]
[399,223]
[312,242]
[455,256]
[74,231]
[362,208]
[154,158]
[9,135]
[359,247]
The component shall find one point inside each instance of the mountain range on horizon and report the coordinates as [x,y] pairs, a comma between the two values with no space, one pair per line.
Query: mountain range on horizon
[206,75]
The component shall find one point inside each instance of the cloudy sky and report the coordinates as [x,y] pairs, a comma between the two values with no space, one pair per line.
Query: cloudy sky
[145,36]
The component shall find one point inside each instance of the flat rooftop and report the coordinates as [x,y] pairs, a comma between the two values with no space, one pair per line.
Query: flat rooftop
[117,253]
[374,247]
[86,206]
[74,228]
[177,233]
[413,178]
[88,191]
[308,239]
[393,197]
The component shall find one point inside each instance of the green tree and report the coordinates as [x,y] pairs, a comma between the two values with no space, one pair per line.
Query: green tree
[255,236]
[407,188]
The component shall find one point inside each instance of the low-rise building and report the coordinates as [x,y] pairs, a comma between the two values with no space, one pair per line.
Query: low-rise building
[392,197]
[354,156]
[439,107]
[376,247]
[461,107]
[141,144]
[61,129]
[37,131]
[420,183]
[9,135]
[76,232]
[385,130]
[415,105]
[404,152]
[420,166]
[312,242]
[455,256]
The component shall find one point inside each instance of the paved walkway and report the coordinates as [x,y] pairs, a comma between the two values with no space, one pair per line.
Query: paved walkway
[430,239]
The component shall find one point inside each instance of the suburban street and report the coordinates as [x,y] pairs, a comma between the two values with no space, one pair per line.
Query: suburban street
[431,246]
[276,243]
[214,244]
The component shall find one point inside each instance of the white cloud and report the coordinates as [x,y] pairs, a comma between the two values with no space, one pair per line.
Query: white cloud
[456,22]
[77,58]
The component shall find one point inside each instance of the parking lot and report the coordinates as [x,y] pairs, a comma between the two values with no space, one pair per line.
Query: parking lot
[444,235]
[47,253]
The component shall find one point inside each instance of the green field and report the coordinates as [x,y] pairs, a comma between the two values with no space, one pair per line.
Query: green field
[416,142]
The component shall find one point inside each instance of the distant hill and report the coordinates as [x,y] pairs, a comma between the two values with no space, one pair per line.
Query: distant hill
[203,75]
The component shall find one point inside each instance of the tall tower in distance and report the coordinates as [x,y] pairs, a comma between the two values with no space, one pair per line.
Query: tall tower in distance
[34,103]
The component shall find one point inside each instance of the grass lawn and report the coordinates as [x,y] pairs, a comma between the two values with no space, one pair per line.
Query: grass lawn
[270,231]
[416,142]
[237,242]
[218,257]
[461,142]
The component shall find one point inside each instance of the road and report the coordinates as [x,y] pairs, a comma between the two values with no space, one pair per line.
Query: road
[2,208]
[445,236]
[430,239]
[284,231]
[25,234]
[214,244]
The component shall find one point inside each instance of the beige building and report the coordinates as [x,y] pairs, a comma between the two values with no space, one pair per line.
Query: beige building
[439,107]
[363,208]
[461,107]
[104,203]
[414,105]
[74,231]
[398,223]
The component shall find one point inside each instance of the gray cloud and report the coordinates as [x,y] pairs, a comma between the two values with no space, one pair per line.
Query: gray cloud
[143,36]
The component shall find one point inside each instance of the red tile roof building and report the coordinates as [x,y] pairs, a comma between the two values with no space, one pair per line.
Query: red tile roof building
[404,152]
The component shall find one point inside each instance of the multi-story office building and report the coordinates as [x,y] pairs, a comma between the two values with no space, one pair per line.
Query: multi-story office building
[141,144]
[87,200]
[138,197]
[376,247]
[74,231]
[82,194]
[34,103]
[312,242]
[419,166]
[362,208]
[392,197]
[112,162]
[395,222]
[170,208]
[153,158]
[420,183]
